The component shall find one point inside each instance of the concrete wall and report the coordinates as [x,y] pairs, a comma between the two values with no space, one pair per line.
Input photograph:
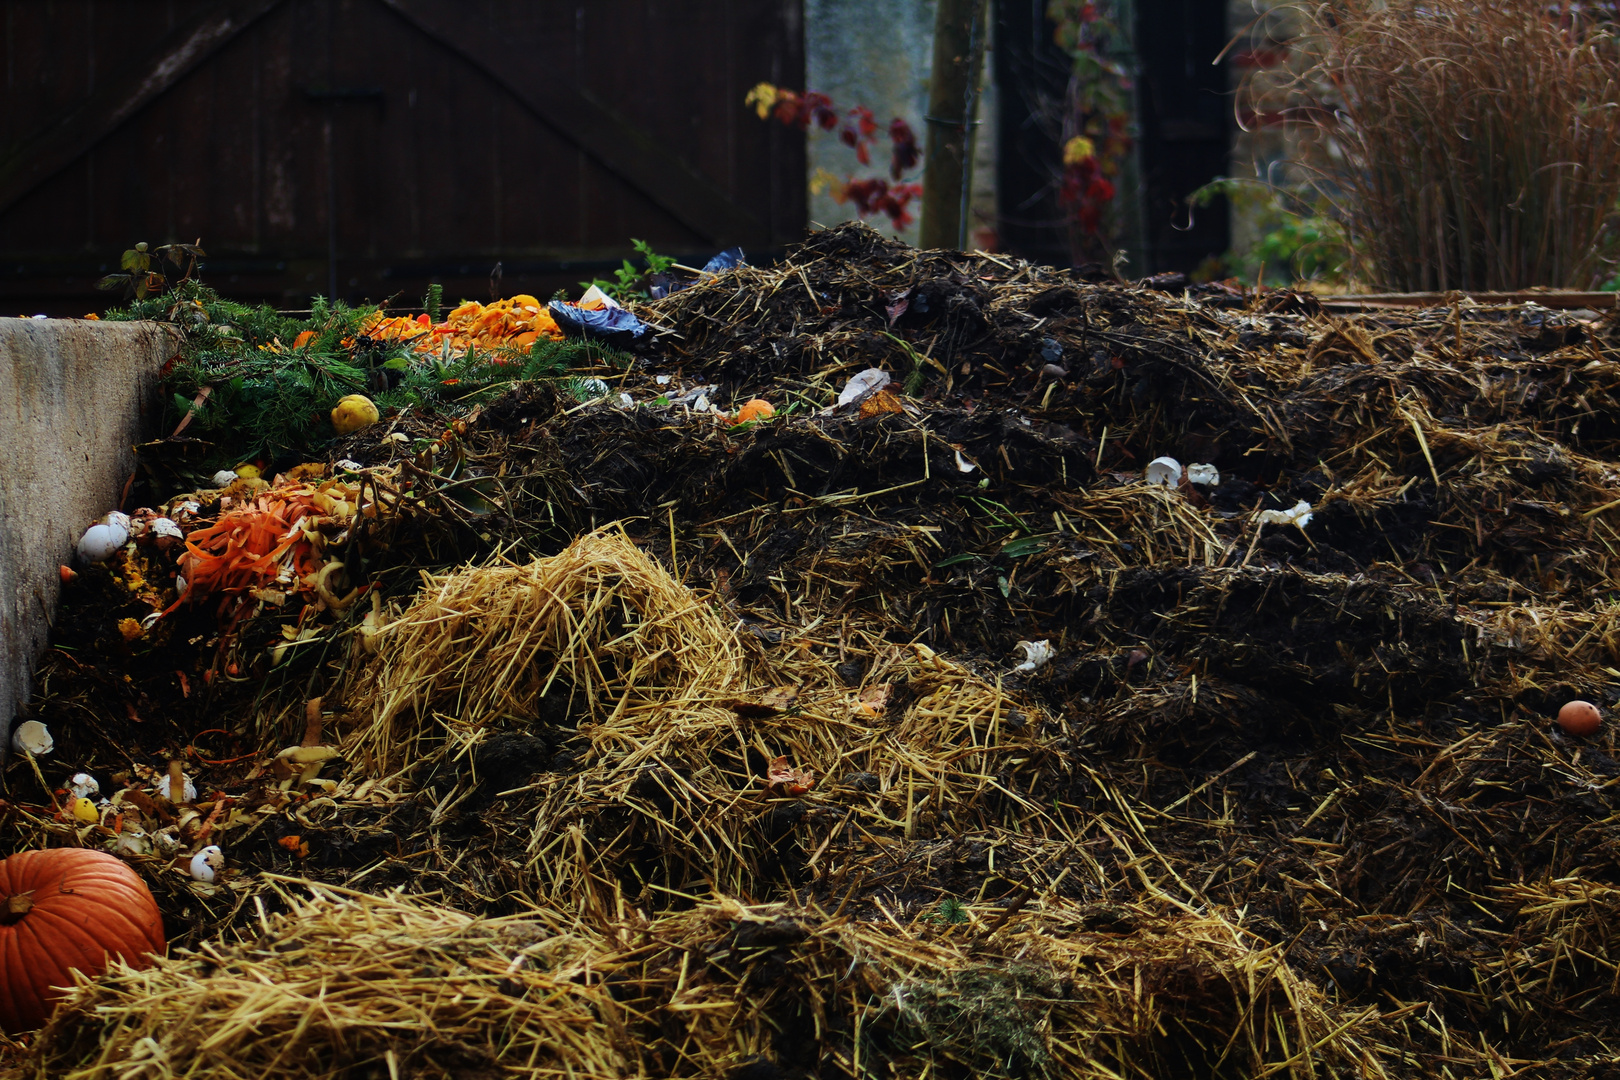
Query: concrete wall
[75,397]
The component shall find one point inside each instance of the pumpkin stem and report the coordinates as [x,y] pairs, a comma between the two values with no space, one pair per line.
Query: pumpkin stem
[15,908]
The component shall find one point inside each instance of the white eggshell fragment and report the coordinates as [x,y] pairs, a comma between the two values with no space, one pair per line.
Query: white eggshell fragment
[1204,475]
[1298,515]
[31,737]
[224,478]
[1164,471]
[100,542]
[187,788]
[1037,654]
[82,785]
[207,863]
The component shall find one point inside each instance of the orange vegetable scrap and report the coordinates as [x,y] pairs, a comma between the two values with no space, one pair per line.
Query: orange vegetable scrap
[506,324]
[757,409]
[274,540]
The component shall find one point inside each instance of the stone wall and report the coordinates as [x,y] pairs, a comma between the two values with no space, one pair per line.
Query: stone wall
[75,397]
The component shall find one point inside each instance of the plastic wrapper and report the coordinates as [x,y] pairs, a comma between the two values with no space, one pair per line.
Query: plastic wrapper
[614,325]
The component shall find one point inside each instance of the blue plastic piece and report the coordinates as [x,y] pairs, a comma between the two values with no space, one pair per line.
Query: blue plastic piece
[729,259]
[614,325]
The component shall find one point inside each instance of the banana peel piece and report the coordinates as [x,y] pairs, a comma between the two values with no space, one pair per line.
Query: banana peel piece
[298,765]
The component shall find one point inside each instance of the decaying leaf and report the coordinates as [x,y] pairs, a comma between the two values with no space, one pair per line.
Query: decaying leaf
[781,778]
[873,701]
[778,699]
[883,401]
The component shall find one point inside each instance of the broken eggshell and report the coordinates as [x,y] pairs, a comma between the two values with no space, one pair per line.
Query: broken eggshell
[1203,475]
[31,737]
[165,533]
[101,541]
[82,785]
[188,789]
[1037,654]
[1164,471]
[207,863]
[1298,515]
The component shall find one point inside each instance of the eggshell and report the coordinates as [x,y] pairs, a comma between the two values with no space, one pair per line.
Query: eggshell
[101,542]
[1164,471]
[188,790]
[1580,718]
[207,862]
[32,737]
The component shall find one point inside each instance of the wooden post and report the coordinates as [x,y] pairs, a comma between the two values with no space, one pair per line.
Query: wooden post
[953,99]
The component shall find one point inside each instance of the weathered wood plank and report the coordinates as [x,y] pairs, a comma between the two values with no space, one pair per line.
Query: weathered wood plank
[66,138]
[580,116]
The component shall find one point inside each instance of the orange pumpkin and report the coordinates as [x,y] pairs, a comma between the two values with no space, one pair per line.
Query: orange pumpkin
[66,908]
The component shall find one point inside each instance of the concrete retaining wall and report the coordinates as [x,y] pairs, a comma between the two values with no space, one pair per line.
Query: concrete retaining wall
[75,397]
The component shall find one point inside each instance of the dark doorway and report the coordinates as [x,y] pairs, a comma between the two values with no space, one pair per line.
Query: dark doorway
[1031,75]
[1185,119]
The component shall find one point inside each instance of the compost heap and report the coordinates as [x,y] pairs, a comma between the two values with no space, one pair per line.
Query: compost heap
[914,736]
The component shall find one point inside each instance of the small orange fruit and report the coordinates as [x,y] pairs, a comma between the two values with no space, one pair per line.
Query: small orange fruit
[757,409]
[1579,718]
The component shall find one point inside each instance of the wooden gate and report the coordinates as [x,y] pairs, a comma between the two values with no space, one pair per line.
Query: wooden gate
[363,148]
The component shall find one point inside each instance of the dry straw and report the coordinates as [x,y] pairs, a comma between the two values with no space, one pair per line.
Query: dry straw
[675,732]
[601,622]
[346,984]
[342,985]
[674,796]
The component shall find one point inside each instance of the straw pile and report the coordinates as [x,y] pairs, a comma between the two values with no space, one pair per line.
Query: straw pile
[601,625]
[677,798]
[345,984]
[352,984]
[671,734]
[1066,991]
